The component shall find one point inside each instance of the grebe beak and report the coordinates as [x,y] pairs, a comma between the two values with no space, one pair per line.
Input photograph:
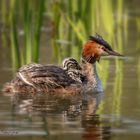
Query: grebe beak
[112,52]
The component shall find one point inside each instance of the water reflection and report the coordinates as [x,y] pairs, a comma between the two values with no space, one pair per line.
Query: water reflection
[52,103]
[93,129]
[55,115]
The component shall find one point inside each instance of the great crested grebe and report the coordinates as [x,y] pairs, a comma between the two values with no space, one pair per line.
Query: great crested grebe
[71,78]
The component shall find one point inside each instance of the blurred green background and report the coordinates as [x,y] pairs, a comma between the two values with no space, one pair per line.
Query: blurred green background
[63,25]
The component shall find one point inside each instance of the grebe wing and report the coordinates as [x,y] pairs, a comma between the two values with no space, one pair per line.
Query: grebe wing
[49,75]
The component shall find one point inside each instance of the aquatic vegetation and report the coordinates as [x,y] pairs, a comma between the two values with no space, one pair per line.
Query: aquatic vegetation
[28,22]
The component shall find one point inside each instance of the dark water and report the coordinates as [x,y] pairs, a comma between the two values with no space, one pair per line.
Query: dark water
[65,118]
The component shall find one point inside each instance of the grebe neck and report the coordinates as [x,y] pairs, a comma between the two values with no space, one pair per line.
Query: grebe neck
[93,81]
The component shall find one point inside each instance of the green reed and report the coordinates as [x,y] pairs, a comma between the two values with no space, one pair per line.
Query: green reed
[72,22]
[27,18]
[22,16]
[32,29]
[14,37]
[3,20]
[37,29]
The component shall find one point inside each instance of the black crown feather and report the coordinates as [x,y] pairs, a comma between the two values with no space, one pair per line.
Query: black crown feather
[101,41]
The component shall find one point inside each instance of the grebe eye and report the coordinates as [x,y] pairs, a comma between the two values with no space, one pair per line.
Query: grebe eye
[99,46]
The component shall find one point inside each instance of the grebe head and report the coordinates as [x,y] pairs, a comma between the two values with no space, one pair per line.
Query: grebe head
[71,63]
[95,48]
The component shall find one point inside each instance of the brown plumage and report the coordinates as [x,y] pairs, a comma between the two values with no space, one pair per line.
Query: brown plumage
[71,78]
[40,78]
